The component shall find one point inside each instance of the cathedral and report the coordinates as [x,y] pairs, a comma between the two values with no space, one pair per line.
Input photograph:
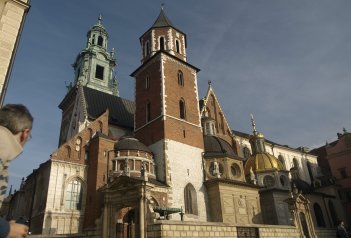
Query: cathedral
[168,163]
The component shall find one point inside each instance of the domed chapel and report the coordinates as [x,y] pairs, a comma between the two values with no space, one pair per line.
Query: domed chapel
[167,163]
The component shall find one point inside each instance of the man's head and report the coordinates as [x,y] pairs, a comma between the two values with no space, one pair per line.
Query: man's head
[17,119]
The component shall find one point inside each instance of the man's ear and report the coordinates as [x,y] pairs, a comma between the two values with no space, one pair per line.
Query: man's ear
[24,136]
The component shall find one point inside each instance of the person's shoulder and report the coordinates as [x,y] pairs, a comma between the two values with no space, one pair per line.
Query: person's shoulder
[4,228]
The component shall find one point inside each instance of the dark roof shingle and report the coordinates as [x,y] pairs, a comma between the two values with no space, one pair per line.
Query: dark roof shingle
[121,111]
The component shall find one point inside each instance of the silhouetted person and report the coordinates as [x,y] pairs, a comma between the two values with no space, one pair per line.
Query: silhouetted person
[341,231]
[15,130]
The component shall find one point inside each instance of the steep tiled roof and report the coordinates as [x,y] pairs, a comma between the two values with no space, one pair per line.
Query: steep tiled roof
[121,111]
[162,20]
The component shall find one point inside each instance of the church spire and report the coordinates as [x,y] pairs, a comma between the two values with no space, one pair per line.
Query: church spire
[163,36]
[257,139]
[162,20]
[94,66]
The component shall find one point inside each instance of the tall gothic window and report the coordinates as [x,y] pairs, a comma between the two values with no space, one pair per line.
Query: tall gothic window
[190,199]
[177,46]
[180,78]
[147,82]
[148,111]
[182,111]
[162,43]
[73,199]
[147,48]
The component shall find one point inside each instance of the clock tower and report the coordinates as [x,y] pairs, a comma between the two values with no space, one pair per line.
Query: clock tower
[167,116]
[94,68]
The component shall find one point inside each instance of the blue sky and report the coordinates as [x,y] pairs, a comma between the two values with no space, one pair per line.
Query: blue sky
[288,62]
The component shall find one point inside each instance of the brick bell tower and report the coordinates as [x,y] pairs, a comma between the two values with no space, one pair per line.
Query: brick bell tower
[167,117]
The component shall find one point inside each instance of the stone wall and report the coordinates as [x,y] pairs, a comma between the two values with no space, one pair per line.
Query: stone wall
[325,232]
[169,229]
[165,229]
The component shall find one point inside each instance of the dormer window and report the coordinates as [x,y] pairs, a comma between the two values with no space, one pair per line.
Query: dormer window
[100,41]
[99,72]
[162,43]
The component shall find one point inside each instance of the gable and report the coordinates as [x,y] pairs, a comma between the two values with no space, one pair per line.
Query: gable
[214,110]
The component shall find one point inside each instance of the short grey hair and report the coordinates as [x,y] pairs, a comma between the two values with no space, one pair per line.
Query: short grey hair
[16,118]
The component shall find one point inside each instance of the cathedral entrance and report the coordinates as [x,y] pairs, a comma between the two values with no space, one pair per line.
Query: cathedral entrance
[125,226]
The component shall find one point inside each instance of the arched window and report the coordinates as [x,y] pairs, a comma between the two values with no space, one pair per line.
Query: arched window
[68,148]
[177,46]
[73,198]
[190,199]
[93,40]
[162,43]
[180,78]
[319,215]
[101,126]
[147,82]
[182,112]
[247,153]
[281,159]
[79,146]
[148,111]
[146,49]
[100,41]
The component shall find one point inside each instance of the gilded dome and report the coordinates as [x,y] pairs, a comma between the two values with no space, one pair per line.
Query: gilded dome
[262,162]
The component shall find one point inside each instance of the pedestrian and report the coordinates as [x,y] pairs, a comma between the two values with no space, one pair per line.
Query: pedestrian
[341,231]
[15,130]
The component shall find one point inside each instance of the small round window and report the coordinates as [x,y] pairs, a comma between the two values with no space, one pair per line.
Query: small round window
[268,181]
[235,169]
